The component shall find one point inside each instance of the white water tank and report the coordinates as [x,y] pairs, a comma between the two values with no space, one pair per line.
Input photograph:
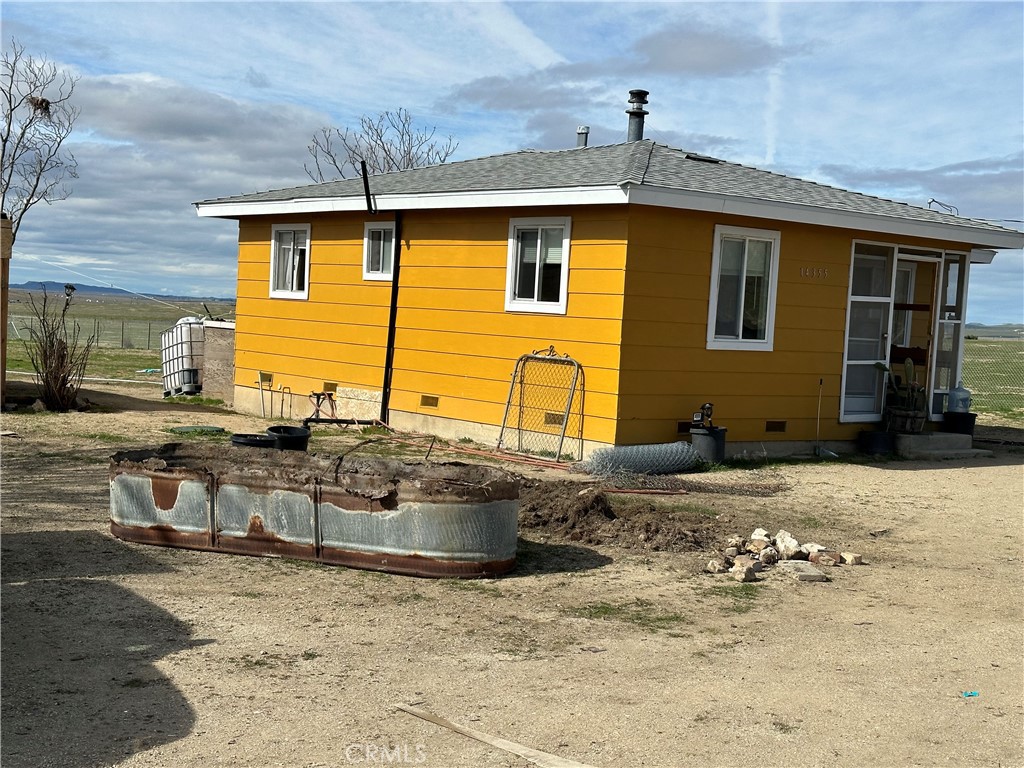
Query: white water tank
[182,357]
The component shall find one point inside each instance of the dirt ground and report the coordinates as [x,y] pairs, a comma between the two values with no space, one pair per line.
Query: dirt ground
[607,645]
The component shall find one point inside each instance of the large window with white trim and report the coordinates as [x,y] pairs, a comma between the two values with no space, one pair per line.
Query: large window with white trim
[744,276]
[538,265]
[378,251]
[289,261]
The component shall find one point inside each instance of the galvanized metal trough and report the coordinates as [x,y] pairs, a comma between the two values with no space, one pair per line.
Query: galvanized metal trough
[422,519]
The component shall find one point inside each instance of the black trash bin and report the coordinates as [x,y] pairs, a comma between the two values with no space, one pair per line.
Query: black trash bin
[709,442]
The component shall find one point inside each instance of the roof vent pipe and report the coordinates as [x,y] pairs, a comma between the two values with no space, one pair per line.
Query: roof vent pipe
[582,132]
[637,98]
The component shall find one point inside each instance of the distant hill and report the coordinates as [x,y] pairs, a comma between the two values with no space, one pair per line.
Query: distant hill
[82,289]
[1002,331]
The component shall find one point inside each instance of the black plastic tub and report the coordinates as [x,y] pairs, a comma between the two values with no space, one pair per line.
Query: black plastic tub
[253,441]
[960,423]
[289,438]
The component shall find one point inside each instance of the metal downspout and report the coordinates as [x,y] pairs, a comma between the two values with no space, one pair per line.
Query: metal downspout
[389,350]
[389,354]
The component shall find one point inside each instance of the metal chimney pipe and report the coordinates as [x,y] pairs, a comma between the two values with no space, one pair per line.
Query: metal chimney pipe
[637,98]
[582,132]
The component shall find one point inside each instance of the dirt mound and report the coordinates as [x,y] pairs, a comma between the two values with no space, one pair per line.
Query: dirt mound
[580,512]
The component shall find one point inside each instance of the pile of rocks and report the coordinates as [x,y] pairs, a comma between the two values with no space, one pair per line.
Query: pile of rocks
[744,558]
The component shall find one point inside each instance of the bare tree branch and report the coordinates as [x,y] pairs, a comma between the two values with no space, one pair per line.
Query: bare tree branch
[388,142]
[38,117]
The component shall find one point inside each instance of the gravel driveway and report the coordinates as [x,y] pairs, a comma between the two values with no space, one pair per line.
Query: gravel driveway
[123,654]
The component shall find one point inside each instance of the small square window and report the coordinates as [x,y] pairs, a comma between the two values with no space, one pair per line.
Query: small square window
[378,251]
[744,275]
[538,265]
[289,261]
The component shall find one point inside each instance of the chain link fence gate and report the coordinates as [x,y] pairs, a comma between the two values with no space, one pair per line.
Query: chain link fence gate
[544,411]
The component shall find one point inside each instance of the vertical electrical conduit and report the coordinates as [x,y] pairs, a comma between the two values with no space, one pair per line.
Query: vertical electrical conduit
[389,351]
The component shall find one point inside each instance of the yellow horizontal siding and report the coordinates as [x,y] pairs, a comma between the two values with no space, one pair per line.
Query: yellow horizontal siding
[476,300]
[301,373]
[600,428]
[667,369]
[458,364]
[589,355]
[552,328]
[454,338]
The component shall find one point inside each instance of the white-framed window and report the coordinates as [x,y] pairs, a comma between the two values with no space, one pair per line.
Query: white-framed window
[538,265]
[744,279]
[289,261]
[378,250]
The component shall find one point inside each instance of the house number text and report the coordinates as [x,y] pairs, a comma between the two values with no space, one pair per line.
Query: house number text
[814,273]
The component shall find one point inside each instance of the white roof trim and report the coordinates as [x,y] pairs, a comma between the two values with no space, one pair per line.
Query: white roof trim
[626,193]
[501,198]
[809,214]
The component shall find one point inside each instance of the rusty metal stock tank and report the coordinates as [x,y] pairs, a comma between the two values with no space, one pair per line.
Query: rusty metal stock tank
[421,519]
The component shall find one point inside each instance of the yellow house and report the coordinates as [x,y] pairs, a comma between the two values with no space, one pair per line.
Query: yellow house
[669,279]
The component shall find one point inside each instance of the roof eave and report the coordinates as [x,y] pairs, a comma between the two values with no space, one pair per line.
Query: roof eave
[826,217]
[627,192]
[504,198]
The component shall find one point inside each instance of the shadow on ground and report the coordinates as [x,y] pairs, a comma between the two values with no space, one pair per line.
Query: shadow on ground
[24,393]
[534,557]
[80,685]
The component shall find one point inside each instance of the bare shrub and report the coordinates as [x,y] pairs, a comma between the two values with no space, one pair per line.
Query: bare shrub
[57,352]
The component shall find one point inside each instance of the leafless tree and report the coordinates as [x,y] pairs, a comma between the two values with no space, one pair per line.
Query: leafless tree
[388,142]
[38,118]
[57,352]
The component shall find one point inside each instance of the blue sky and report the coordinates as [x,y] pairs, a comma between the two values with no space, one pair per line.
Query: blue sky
[189,101]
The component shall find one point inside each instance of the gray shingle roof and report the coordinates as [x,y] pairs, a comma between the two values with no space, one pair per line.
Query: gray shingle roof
[643,163]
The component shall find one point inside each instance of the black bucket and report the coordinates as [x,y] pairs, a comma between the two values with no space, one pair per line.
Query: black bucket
[289,438]
[253,441]
[960,423]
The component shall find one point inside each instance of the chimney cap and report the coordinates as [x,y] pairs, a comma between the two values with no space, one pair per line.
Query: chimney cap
[638,96]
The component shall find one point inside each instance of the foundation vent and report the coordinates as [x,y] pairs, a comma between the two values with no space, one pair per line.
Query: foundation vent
[429,401]
[775,426]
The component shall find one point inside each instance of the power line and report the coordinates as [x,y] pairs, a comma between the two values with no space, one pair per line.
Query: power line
[101,281]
